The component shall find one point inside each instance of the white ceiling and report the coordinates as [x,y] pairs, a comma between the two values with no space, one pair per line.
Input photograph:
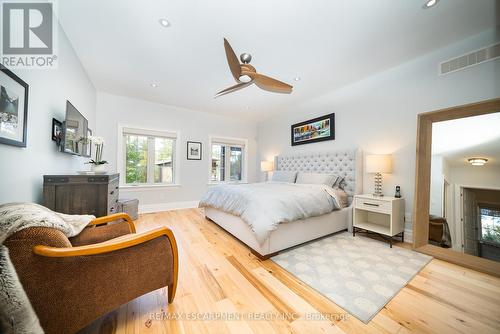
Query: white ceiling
[470,137]
[328,43]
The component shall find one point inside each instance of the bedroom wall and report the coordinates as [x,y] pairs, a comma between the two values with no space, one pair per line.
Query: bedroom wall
[113,110]
[487,176]
[379,113]
[21,169]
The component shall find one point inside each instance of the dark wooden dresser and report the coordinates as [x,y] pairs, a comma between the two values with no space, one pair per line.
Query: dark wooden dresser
[81,194]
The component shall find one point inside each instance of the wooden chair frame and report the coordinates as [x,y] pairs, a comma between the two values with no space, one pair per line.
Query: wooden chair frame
[123,242]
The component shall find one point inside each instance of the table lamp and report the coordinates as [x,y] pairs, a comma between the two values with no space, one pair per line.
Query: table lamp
[378,164]
[266,166]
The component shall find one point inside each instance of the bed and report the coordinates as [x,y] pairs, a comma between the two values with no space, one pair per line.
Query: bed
[347,164]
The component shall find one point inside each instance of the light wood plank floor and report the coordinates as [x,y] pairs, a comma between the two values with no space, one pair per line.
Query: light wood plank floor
[219,274]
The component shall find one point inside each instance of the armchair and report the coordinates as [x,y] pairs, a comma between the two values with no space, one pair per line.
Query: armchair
[73,281]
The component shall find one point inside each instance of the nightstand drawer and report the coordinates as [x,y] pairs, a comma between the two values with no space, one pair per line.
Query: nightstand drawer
[373,205]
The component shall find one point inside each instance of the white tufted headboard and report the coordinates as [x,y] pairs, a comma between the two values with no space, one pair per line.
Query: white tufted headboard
[347,164]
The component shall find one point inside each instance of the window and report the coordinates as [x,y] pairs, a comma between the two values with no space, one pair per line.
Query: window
[227,160]
[490,224]
[148,157]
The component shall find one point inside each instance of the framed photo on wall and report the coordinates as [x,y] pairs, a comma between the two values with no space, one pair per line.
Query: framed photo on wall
[57,131]
[313,130]
[193,150]
[13,108]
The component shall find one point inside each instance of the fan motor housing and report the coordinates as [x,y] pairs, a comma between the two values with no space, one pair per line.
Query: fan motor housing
[245,58]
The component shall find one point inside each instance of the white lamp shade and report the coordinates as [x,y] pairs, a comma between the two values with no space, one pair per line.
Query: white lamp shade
[266,166]
[378,163]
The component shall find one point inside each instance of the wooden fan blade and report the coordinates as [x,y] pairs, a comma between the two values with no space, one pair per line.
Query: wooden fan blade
[232,60]
[233,88]
[270,84]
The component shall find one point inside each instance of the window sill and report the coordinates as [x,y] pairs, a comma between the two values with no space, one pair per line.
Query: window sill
[148,187]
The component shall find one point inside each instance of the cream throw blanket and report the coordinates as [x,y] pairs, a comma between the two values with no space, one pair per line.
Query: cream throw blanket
[16,312]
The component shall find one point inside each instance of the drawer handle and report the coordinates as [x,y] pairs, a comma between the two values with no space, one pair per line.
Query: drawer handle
[112,192]
[371,204]
[112,209]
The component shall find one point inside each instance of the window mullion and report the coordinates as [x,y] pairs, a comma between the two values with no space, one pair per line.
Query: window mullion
[227,162]
[151,160]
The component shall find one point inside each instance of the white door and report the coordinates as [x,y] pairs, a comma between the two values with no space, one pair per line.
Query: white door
[470,220]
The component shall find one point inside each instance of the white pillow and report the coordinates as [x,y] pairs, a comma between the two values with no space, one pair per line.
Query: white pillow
[284,176]
[316,178]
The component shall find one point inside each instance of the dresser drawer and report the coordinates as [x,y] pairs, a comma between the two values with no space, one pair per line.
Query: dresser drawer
[374,205]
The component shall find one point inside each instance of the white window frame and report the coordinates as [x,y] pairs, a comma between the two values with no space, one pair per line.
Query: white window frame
[237,142]
[148,132]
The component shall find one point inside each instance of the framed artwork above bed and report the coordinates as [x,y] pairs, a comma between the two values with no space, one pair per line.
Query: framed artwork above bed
[313,130]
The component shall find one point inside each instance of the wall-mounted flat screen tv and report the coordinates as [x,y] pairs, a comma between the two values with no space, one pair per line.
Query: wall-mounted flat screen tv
[75,132]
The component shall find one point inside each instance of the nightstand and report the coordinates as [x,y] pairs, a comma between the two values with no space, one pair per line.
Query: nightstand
[382,215]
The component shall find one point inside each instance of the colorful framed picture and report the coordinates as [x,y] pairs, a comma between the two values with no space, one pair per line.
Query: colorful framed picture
[13,108]
[314,130]
[193,150]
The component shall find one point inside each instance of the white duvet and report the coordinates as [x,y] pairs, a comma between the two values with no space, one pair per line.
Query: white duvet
[264,206]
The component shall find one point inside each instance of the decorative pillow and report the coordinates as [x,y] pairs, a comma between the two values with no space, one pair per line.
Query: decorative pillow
[342,197]
[317,178]
[284,176]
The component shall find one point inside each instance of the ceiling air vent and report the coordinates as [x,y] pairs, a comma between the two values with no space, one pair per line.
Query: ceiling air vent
[470,59]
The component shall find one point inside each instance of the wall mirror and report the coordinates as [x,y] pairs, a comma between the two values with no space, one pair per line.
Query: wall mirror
[457,191]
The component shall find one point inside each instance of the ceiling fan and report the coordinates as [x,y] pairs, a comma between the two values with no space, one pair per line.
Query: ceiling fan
[245,75]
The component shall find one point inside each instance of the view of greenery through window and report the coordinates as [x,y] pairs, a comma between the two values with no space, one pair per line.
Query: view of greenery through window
[490,225]
[163,160]
[235,162]
[137,159]
[218,162]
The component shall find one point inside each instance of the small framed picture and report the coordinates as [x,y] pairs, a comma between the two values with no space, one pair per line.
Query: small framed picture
[57,131]
[13,108]
[193,150]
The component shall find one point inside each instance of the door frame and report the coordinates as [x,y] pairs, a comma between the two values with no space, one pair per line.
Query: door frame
[422,185]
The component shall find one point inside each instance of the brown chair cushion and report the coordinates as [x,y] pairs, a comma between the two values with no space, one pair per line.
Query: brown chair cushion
[97,234]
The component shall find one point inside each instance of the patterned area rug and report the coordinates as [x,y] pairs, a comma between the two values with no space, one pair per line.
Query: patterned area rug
[357,273]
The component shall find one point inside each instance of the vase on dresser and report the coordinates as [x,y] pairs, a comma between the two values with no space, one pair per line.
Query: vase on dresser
[98,169]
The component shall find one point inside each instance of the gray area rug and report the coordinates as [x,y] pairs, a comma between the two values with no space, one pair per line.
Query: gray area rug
[359,274]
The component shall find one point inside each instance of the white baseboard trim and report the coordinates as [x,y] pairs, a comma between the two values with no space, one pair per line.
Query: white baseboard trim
[409,236]
[150,208]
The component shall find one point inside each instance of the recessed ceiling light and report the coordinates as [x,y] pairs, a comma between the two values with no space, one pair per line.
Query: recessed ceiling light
[430,3]
[164,22]
[154,85]
[297,79]
[477,161]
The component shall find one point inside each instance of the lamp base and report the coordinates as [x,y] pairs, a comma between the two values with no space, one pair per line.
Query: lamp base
[378,185]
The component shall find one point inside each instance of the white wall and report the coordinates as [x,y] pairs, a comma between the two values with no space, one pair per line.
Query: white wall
[379,114]
[487,176]
[437,186]
[21,169]
[113,110]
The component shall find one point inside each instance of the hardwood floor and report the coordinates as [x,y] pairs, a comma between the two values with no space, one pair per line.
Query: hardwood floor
[219,276]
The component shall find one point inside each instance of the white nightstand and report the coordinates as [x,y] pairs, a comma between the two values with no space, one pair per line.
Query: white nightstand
[382,215]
